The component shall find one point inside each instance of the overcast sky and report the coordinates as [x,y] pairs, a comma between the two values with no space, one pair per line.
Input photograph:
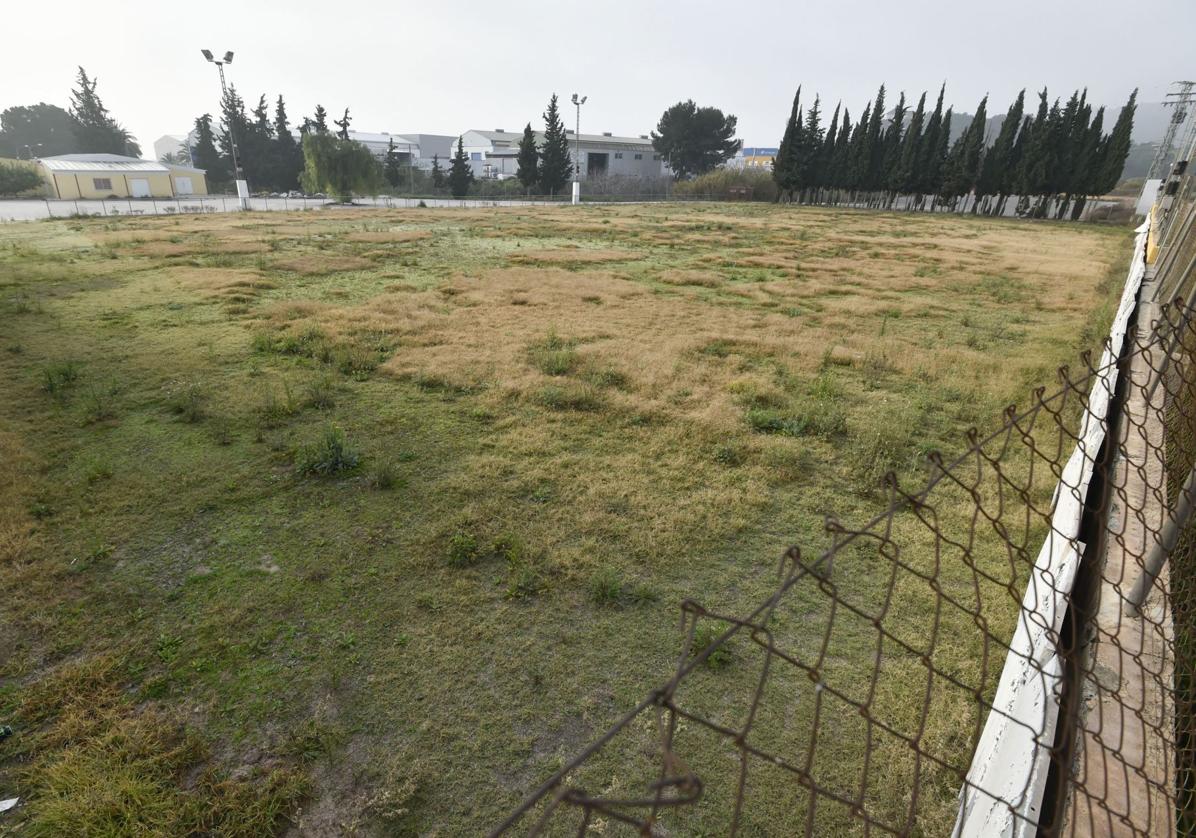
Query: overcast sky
[444,67]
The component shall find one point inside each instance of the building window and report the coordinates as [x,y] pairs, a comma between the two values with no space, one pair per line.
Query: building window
[639,157]
[475,155]
[618,155]
[102,183]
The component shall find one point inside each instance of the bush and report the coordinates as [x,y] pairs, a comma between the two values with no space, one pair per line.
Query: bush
[56,378]
[186,400]
[704,636]
[16,179]
[716,185]
[463,549]
[328,456]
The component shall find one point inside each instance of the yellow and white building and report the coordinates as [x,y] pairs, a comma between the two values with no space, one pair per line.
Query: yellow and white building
[84,176]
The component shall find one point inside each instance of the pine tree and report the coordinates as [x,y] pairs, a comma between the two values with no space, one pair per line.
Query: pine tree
[95,129]
[343,124]
[1031,173]
[437,172]
[206,156]
[234,124]
[288,153]
[390,169]
[784,165]
[556,166]
[529,159]
[319,123]
[460,174]
[1090,164]
[962,168]
[893,137]
[839,176]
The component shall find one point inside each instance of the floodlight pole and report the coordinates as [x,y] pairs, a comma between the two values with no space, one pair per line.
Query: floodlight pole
[577,149]
[238,175]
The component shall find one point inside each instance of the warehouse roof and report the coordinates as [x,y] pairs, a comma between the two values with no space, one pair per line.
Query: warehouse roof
[100,163]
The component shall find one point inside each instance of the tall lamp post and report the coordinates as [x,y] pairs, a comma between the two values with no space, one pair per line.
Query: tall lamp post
[578,101]
[238,175]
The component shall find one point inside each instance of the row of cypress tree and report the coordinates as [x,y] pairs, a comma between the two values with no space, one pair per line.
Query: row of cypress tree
[1052,161]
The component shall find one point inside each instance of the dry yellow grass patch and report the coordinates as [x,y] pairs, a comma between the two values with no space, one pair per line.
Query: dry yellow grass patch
[17,531]
[315,264]
[706,279]
[389,236]
[572,255]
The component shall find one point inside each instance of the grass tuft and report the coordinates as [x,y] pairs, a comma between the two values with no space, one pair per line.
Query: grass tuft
[328,456]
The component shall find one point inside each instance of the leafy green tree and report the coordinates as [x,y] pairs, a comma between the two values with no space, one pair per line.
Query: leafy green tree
[529,159]
[47,130]
[556,167]
[17,178]
[695,140]
[437,172]
[339,167]
[460,174]
[95,129]
[343,125]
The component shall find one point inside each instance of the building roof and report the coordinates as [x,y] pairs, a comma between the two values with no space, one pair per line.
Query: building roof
[589,139]
[100,163]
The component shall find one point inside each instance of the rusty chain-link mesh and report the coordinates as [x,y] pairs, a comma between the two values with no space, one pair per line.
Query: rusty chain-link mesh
[864,694]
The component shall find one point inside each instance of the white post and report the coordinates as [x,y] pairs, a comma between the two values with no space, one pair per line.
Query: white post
[576,192]
[243,193]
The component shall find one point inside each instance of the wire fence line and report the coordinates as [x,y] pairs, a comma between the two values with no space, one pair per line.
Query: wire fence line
[975,660]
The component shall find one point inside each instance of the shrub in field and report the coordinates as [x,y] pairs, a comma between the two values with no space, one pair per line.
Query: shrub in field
[98,404]
[704,636]
[321,393]
[331,454]
[554,355]
[463,549]
[716,185]
[384,476]
[275,410]
[608,587]
[57,377]
[186,400]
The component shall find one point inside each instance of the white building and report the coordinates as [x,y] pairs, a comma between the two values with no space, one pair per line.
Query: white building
[417,148]
[173,144]
[494,154]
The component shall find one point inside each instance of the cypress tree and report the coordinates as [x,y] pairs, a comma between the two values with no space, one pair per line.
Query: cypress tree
[783,165]
[1118,147]
[872,177]
[437,172]
[824,171]
[529,165]
[839,176]
[556,167]
[1031,176]
[860,153]
[930,162]
[892,146]
[460,174]
[1085,177]
[1011,173]
[234,122]
[809,146]
[904,177]
[996,160]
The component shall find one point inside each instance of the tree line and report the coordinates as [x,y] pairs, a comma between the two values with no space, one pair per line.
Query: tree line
[1053,160]
[85,126]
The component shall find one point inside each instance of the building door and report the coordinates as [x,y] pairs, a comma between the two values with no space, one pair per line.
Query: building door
[139,187]
[596,164]
[182,186]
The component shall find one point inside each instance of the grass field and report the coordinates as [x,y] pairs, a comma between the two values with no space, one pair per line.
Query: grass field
[366,521]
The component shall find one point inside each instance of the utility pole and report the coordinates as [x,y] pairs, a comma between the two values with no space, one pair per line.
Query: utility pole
[1182,98]
[577,150]
[238,175]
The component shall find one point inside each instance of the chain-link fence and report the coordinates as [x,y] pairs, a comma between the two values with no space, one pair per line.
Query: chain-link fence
[1005,650]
